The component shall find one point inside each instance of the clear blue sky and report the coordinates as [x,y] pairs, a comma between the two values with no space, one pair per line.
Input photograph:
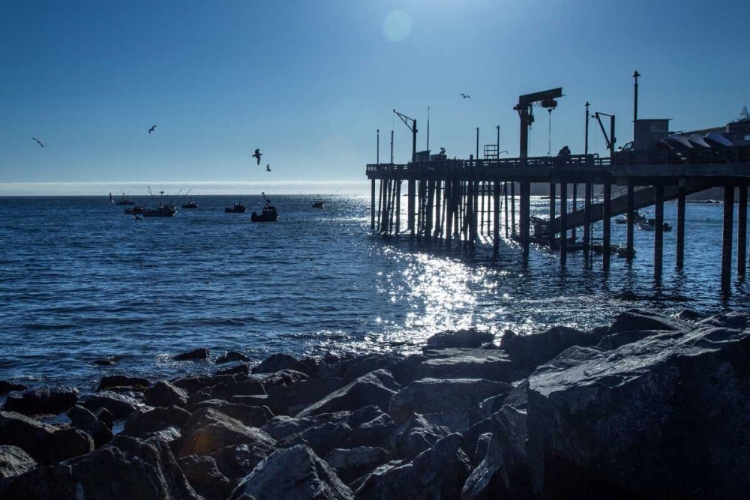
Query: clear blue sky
[309,82]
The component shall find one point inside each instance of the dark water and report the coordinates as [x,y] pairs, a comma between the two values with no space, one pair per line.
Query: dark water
[79,280]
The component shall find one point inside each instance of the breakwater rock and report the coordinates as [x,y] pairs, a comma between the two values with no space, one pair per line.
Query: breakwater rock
[650,407]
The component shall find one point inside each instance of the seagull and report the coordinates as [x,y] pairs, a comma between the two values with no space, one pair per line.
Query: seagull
[268,167]
[37,140]
[151,129]
[257,155]
[465,96]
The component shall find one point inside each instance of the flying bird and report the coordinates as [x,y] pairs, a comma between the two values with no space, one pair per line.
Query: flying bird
[257,155]
[268,167]
[465,96]
[137,218]
[151,129]
[37,140]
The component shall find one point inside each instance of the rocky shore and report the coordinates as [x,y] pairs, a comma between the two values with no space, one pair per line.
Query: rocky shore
[649,407]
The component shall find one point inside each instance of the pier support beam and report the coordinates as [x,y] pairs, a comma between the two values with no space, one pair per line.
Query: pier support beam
[513,208]
[575,208]
[607,215]
[563,224]
[726,244]
[680,258]
[449,204]
[372,205]
[742,233]
[525,209]
[411,193]
[658,232]
[505,206]
[630,222]
[587,225]
[552,206]
[496,217]
[398,206]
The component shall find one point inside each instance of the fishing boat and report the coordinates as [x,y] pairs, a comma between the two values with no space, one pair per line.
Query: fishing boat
[122,201]
[319,204]
[138,209]
[238,208]
[650,225]
[162,210]
[269,213]
[190,204]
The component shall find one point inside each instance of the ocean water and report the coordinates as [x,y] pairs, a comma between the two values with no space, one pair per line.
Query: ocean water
[79,281]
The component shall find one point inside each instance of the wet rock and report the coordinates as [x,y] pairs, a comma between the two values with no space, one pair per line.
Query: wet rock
[636,320]
[231,356]
[165,394]
[619,339]
[456,421]
[209,430]
[278,362]
[439,395]
[7,386]
[251,416]
[42,401]
[468,363]
[44,443]
[402,368]
[375,388]
[146,424]
[372,431]
[658,417]
[353,462]
[190,384]
[439,472]
[121,381]
[283,377]
[529,351]
[108,361]
[83,419]
[237,461]
[689,315]
[126,469]
[322,439]
[295,473]
[415,436]
[195,354]
[291,399]
[205,478]
[14,461]
[105,416]
[241,368]
[461,338]
[119,405]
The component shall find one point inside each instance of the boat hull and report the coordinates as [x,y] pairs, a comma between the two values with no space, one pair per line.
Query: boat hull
[264,217]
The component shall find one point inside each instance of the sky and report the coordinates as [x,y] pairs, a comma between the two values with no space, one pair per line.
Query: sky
[309,82]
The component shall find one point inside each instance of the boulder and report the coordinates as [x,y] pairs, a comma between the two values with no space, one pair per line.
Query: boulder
[14,461]
[529,351]
[295,473]
[439,395]
[322,438]
[619,339]
[191,384]
[105,416]
[241,368]
[135,383]
[658,417]
[127,468]
[44,443]
[231,356]
[402,368]
[42,401]
[235,462]
[461,338]
[144,424]
[415,436]
[292,398]
[278,362]
[119,405]
[353,462]
[438,472]
[165,394]
[107,361]
[468,363]
[205,478]
[7,386]
[251,416]
[457,420]
[375,388]
[83,419]
[209,430]
[637,320]
[283,377]
[200,353]
[371,431]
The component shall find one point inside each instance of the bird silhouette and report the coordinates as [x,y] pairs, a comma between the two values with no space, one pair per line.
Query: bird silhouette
[268,167]
[151,129]
[465,96]
[137,218]
[257,155]
[37,140]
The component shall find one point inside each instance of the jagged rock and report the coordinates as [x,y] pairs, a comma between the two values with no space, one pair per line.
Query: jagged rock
[231,356]
[205,478]
[402,368]
[468,363]
[190,384]
[251,416]
[145,424]
[236,462]
[438,395]
[734,320]
[282,426]
[44,443]
[439,472]
[295,473]
[42,401]
[105,416]
[241,368]
[200,353]
[455,420]
[353,462]
[369,430]
[283,377]
[374,388]
[136,383]
[292,398]
[119,405]
[279,362]
[83,419]
[530,351]
[126,469]
[619,339]
[689,315]
[322,439]
[7,386]
[636,320]
[209,430]
[415,436]
[658,417]
[165,394]
[14,461]
[460,338]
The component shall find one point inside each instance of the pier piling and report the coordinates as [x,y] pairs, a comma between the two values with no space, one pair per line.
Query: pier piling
[630,222]
[742,232]
[552,205]
[726,246]
[658,232]
[680,257]
[606,228]
[563,224]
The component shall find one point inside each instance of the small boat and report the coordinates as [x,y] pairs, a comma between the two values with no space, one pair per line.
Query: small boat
[717,140]
[318,204]
[166,210]
[650,225]
[138,209]
[121,201]
[269,213]
[238,208]
[190,204]
[699,141]
[621,220]
[622,251]
[679,142]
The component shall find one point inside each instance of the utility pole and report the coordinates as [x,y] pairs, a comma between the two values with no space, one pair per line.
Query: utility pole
[378,155]
[428,128]
[635,101]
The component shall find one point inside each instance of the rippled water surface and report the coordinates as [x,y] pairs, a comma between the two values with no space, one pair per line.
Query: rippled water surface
[79,280]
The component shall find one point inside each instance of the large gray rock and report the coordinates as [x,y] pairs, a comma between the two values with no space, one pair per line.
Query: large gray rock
[437,473]
[209,430]
[42,401]
[658,417]
[235,462]
[295,473]
[145,424]
[350,463]
[461,338]
[164,393]
[375,388]
[322,438]
[14,461]
[251,416]
[401,367]
[638,320]
[439,395]
[7,386]
[196,354]
[529,351]
[205,478]
[123,381]
[231,356]
[119,405]
[44,443]
[125,469]
[490,364]
[83,419]
[279,362]
[291,399]
[415,436]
